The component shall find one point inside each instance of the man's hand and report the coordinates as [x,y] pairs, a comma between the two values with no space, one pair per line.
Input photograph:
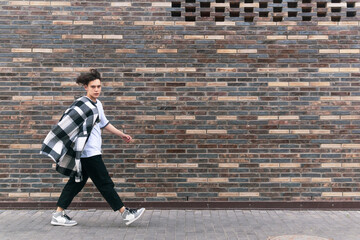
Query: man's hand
[113,130]
[126,138]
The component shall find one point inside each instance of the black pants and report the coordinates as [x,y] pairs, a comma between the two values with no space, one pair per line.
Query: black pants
[94,168]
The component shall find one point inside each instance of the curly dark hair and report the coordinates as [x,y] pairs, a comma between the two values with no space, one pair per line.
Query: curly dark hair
[85,78]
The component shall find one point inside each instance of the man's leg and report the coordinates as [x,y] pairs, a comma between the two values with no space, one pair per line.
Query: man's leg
[96,170]
[70,190]
[98,173]
[68,193]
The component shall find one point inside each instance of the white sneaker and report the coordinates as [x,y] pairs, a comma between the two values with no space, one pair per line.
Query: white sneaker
[131,215]
[61,219]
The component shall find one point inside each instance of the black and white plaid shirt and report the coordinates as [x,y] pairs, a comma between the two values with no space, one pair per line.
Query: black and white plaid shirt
[65,142]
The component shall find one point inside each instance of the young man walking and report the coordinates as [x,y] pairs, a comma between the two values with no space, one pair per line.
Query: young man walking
[75,145]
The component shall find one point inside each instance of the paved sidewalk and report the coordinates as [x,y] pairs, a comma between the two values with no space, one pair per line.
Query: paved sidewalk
[183,224]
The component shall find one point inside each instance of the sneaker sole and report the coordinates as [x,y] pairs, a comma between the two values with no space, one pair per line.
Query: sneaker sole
[128,223]
[62,224]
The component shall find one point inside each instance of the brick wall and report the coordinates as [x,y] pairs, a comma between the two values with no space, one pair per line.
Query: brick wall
[232,101]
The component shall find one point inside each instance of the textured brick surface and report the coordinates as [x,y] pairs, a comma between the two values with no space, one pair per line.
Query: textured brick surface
[259,106]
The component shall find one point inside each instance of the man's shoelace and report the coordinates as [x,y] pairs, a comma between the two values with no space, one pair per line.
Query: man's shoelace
[66,216]
[131,210]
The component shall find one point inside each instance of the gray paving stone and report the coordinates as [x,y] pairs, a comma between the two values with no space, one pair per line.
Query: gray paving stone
[183,224]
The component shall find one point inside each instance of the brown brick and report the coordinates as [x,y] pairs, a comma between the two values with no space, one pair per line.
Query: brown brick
[22,98]
[63,69]
[20,146]
[195,131]
[19,3]
[146,165]
[216,180]
[59,3]
[112,36]
[188,165]
[226,117]
[126,50]
[62,22]
[197,180]
[226,51]
[42,50]
[73,36]
[166,194]
[19,195]
[167,50]
[39,194]
[331,194]
[185,117]
[249,194]
[164,117]
[126,98]
[83,22]
[214,104]
[21,50]
[22,59]
[85,36]
[166,98]
[121,4]
[216,131]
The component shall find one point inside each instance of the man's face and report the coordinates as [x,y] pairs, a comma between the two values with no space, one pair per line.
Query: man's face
[93,89]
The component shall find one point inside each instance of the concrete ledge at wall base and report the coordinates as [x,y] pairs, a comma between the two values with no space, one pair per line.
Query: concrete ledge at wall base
[328,205]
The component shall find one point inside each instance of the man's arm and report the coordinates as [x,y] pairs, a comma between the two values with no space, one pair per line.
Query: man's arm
[110,128]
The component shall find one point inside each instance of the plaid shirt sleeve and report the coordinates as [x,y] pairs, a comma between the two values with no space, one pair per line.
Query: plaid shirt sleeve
[65,142]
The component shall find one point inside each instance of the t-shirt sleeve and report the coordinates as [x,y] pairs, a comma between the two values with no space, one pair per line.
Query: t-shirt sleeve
[103,120]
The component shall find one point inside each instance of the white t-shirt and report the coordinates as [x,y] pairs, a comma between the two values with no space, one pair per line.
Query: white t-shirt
[93,145]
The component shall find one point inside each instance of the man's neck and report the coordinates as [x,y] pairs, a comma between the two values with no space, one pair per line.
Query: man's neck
[92,99]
